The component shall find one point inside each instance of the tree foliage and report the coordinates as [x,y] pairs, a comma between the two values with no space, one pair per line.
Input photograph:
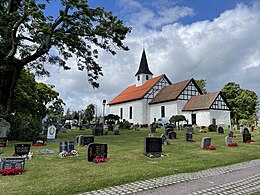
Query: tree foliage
[177,119]
[202,85]
[243,102]
[29,37]
[32,102]
[89,113]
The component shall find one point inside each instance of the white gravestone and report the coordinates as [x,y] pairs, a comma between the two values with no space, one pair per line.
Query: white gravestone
[51,132]
[228,140]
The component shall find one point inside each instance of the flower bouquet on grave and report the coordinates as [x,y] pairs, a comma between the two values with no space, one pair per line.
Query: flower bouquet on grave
[71,153]
[233,144]
[39,143]
[209,148]
[250,141]
[174,138]
[100,159]
[2,145]
[192,140]
[12,171]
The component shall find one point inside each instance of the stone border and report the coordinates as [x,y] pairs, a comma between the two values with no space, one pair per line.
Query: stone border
[140,186]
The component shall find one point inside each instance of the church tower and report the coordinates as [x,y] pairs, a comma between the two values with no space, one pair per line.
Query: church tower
[143,74]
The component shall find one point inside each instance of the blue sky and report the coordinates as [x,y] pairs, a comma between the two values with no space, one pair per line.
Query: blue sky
[215,40]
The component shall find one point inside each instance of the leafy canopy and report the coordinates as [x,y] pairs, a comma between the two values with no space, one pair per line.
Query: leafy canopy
[30,37]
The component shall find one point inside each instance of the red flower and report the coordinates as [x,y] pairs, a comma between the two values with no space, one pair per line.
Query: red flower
[192,140]
[101,159]
[174,138]
[69,154]
[13,171]
[250,141]
[38,144]
[234,144]
[210,148]
[2,145]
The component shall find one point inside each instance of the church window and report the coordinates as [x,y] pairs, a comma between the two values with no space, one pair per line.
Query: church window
[162,111]
[130,112]
[138,78]
[147,77]
[121,113]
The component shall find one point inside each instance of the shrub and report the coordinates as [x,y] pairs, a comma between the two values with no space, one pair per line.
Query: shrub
[212,128]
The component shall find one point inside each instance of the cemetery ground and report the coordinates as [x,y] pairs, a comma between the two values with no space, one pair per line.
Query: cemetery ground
[50,174]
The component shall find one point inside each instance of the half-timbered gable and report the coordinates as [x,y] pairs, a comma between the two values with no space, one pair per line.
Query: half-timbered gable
[220,103]
[190,90]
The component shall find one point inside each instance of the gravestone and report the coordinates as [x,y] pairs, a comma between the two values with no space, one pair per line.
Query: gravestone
[153,127]
[51,132]
[98,130]
[63,129]
[246,137]
[172,135]
[220,130]
[63,146]
[84,140]
[4,128]
[188,136]
[228,140]
[97,150]
[70,146]
[73,127]
[164,139]
[205,142]
[231,134]
[22,149]
[116,132]
[46,151]
[153,146]
[13,162]
[245,131]
[189,129]
[167,130]
[3,141]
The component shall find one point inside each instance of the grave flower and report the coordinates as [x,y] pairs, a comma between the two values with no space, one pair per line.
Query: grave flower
[2,145]
[250,141]
[71,153]
[12,171]
[233,144]
[100,159]
[210,148]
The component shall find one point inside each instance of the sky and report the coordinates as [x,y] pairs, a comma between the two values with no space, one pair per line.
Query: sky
[214,40]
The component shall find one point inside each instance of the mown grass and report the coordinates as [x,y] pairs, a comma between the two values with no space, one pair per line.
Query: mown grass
[48,174]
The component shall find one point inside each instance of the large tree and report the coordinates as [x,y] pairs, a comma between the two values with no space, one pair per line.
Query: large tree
[29,37]
[243,102]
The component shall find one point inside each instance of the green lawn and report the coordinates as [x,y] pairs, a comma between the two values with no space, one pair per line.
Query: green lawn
[48,174]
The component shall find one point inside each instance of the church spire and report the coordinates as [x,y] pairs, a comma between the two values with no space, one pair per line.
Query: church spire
[143,67]
[143,74]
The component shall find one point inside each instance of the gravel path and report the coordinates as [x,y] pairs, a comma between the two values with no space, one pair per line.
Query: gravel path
[242,178]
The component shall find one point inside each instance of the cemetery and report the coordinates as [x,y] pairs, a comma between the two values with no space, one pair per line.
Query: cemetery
[120,159]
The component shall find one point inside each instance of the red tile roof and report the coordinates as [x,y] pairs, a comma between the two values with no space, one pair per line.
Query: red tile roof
[170,92]
[134,93]
[201,102]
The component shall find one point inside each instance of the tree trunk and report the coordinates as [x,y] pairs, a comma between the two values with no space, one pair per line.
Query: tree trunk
[9,75]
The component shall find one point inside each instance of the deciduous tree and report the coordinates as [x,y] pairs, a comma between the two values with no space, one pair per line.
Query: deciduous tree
[30,37]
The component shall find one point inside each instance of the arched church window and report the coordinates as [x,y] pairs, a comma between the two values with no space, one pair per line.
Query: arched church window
[138,78]
[147,77]
[130,112]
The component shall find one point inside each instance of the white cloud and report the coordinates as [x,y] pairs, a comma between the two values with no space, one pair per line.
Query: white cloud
[226,49]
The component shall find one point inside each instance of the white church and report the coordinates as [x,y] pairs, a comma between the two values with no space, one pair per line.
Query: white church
[152,98]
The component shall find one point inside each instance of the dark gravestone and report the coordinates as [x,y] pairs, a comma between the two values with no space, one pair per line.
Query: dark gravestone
[3,141]
[246,137]
[153,129]
[116,132]
[22,149]
[63,147]
[245,131]
[231,134]
[96,150]
[172,135]
[13,162]
[70,146]
[220,130]
[206,142]
[153,146]
[164,139]
[167,130]
[188,136]
[98,130]
[84,140]
[189,129]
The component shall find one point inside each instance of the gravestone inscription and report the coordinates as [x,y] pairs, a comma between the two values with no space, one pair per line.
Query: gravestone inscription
[220,130]
[188,136]
[246,137]
[51,132]
[22,149]
[153,146]
[97,150]
[63,146]
[13,162]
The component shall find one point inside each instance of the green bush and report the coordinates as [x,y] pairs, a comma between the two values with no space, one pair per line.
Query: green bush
[23,127]
[212,128]
[126,124]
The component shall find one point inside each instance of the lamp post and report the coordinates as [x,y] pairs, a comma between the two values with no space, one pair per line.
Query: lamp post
[104,106]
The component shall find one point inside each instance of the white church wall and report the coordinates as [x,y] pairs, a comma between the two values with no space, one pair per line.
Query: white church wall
[222,117]
[170,109]
[137,111]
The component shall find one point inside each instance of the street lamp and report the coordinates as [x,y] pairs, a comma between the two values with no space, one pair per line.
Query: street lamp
[104,106]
